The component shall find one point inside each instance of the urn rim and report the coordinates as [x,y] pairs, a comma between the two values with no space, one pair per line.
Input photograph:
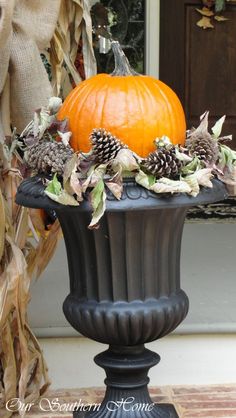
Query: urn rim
[31,194]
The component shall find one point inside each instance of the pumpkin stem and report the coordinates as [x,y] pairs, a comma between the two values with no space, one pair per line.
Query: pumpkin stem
[122,65]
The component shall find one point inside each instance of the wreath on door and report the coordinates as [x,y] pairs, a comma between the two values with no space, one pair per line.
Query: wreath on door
[211,13]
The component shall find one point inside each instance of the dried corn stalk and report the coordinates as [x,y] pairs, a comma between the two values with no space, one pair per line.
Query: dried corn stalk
[73,27]
[25,248]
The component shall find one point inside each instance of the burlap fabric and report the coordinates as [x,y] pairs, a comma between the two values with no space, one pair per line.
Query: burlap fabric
[26,28]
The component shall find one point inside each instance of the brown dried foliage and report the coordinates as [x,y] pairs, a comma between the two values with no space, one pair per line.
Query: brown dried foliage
[26,247]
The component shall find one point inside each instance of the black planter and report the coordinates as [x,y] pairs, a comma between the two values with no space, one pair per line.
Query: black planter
[125,284]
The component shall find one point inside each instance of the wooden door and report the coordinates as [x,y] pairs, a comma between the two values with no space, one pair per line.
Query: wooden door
[200,65]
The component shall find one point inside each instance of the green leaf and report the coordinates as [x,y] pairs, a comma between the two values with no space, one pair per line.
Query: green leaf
[145,180]
[98,201]
[190,168]
[227,156]
[222,159]
[54,186]
[127,174]
[217,128]
[64,198]
[96,194]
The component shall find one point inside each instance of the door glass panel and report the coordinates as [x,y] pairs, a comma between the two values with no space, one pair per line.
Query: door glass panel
[125,21]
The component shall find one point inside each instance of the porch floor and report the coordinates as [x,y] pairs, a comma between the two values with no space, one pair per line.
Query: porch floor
[190,401]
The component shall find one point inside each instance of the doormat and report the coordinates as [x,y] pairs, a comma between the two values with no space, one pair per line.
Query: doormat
[225,210]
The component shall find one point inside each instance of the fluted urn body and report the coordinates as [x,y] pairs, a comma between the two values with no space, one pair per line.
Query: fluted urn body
[125,285]
[125,276]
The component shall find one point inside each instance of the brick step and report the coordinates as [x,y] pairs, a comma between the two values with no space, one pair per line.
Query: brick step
[190,401]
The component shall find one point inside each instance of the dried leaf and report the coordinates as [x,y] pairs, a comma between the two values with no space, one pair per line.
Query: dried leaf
[22,228]
[5,107]
[37,218]
[65,137]
[2,225]
[76,186]
[225,138]
[199,178]
[90,65]
[205,12]
[47,248]
[204,177]
[220,18]
[193,184]
[228,176]
[45,120]
[90,173]
[22,367]
[10,376]
[59,125]
[165,185]
[74,24]
[182,156]
[202,129]
[70,167]
[54,105]
[126,160]
[205,23]
[217,128]
[115,188]
[97,174]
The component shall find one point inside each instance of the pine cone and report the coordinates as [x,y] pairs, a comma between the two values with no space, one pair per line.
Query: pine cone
[163,163]
[204,147]
[105,146]
[49,157]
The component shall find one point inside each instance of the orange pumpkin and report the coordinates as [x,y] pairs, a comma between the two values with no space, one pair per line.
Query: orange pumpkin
[135,108]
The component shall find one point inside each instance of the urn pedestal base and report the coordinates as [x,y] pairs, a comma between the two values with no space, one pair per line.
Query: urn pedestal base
[127,379]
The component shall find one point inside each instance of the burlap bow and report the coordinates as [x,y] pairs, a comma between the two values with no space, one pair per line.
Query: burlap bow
[26,28]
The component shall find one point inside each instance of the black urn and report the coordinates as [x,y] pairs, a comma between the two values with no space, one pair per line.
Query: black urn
[125,285]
